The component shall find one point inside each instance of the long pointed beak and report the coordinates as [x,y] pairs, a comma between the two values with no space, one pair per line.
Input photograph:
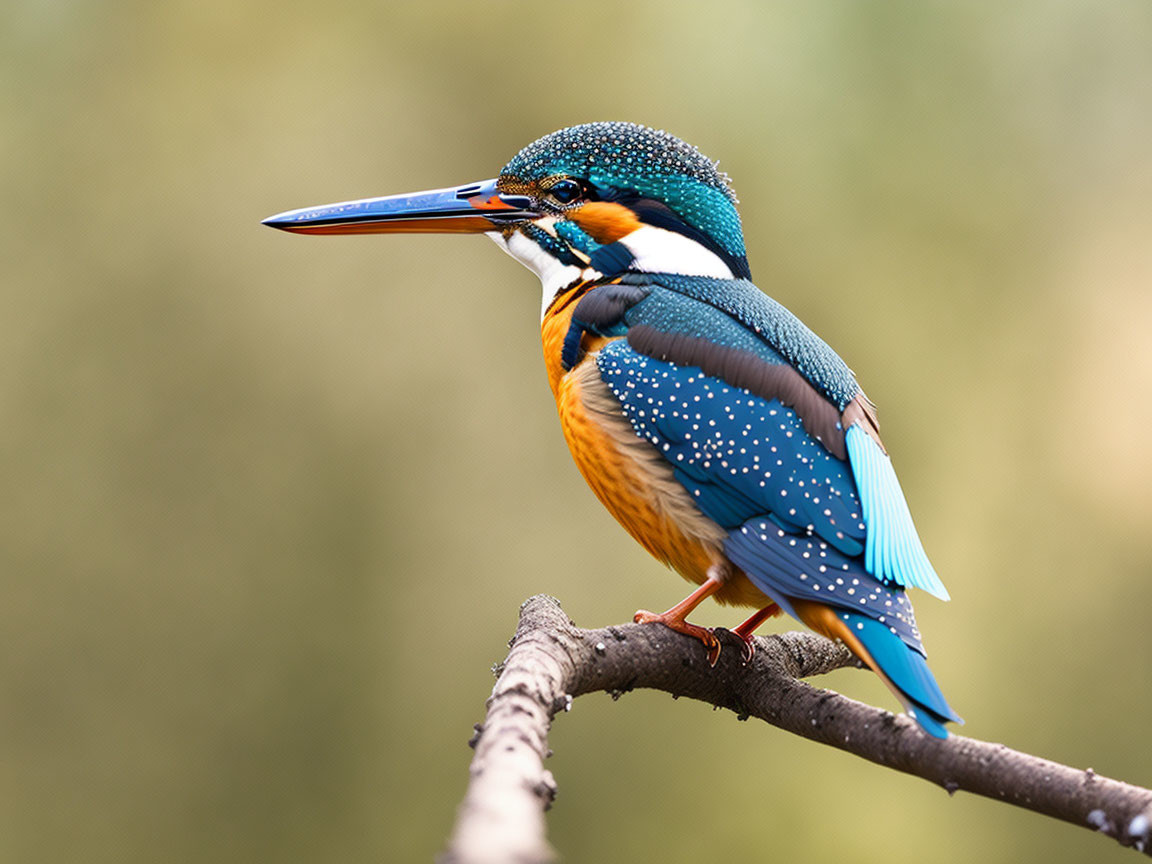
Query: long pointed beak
[469,209]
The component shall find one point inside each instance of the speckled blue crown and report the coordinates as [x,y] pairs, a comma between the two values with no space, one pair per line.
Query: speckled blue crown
[654,163]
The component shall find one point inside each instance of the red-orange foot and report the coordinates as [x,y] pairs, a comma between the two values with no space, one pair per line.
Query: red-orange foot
[673,619]
[745,629]
[674,622]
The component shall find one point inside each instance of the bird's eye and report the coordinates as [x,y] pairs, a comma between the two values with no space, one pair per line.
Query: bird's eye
[566,191]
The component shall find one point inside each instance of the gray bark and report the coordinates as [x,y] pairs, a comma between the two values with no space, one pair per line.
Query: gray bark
[551,661]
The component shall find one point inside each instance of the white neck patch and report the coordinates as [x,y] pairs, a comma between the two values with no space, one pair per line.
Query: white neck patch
[658,250]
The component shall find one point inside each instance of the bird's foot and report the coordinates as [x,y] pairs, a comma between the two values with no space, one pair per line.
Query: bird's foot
[748,649]
[744,630]
[677,623]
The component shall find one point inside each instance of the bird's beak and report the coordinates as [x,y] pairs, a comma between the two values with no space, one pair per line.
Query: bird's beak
[470,209]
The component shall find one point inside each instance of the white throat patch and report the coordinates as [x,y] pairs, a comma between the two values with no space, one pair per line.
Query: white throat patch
[656,250]
[554,276]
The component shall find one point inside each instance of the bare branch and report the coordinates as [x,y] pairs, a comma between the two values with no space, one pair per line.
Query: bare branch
[552,661]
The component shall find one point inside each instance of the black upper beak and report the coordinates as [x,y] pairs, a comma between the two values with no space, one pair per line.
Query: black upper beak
[470,209]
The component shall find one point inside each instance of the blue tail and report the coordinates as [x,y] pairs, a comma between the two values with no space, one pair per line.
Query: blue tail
[909,673]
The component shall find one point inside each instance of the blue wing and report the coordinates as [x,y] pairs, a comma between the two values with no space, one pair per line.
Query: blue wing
[802,521]
[790,506]
[732,331]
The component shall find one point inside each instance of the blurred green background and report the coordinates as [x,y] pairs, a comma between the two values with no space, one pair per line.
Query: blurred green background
[270,503]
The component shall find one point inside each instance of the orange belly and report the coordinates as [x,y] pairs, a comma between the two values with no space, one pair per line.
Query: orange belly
[628,475]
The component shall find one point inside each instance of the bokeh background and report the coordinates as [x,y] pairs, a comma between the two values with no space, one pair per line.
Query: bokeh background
[269,503]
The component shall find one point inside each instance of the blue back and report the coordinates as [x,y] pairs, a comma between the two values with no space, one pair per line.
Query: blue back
[763,321]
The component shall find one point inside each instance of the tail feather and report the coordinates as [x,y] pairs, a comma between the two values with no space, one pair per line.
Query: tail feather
[907,673]
[902,668]
[928,721]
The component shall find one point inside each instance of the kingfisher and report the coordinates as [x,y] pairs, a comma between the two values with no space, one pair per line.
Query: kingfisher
[723,434]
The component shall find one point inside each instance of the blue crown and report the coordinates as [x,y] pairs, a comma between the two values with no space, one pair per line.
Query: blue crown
[653,163]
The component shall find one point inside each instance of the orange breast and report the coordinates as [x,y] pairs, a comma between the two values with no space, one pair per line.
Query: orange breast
[626,473]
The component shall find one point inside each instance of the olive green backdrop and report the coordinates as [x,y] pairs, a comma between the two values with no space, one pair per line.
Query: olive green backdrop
[269,503]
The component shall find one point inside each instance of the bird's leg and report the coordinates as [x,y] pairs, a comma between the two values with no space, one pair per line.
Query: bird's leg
[745,629]
[673,619]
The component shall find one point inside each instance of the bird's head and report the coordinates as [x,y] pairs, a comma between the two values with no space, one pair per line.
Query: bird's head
[607,197]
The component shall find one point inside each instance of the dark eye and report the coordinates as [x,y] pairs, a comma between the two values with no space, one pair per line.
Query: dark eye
[566,191]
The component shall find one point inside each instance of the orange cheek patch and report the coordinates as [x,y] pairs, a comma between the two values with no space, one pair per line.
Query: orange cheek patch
[605,221]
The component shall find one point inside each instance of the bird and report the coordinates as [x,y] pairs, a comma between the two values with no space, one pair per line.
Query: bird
[721,432]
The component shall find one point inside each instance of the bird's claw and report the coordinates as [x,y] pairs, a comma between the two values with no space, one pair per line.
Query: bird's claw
[713,652]
[747,644]
[704,634]
[748,651]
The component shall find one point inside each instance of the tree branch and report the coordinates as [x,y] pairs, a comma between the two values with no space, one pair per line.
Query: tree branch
[552,661]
